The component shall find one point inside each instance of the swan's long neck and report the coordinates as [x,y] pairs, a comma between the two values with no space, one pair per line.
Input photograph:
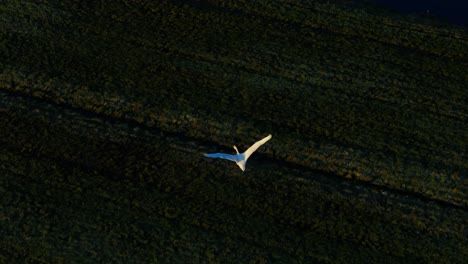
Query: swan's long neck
[241,159]
[237,151]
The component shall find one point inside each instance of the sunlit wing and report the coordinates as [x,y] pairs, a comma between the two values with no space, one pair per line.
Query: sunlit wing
[255,146]
[223,156]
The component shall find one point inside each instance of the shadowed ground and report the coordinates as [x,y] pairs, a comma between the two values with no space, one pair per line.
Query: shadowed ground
[106,110]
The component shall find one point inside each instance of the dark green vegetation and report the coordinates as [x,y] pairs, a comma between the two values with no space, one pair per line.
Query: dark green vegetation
[106,109]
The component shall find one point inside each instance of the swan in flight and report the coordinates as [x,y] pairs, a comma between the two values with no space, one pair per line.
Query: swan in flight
[241,158]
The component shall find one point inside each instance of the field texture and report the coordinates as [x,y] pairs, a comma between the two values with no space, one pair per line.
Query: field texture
[106,109]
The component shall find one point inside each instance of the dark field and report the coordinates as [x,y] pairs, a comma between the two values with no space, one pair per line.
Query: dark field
[452,11]
[107,107]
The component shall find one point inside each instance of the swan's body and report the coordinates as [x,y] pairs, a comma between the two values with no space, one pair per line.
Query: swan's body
[241,158]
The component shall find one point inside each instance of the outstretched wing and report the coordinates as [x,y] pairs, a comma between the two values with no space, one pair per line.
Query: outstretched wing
[255,146]
[223,156]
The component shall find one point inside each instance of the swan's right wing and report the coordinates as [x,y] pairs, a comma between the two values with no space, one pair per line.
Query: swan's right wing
[223,156]
[255,146]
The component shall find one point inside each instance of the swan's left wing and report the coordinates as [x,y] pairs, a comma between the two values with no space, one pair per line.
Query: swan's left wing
[255,146]
[223,156]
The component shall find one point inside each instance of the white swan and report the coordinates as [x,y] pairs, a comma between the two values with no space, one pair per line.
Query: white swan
[241,158]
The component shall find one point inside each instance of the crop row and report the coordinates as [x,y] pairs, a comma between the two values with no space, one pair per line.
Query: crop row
[80,188]
[381,104]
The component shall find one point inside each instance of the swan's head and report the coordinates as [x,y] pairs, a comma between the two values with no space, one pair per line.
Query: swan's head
[237,151]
